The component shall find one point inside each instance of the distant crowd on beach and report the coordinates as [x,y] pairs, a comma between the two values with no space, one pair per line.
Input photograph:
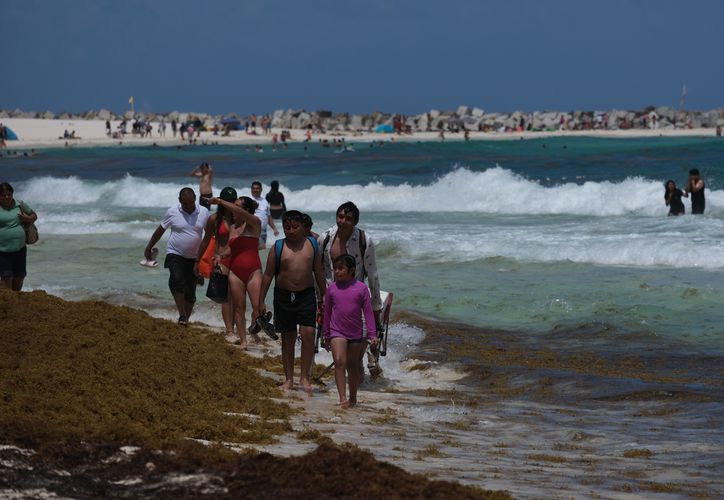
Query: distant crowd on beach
[319,296]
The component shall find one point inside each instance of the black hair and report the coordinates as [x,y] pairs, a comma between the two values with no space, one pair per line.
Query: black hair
[186,190]
[248,204]
[256,183]
[275,186]
[349,208]
[6,188]
[345,260]
[307,221]
[666,187]
[694,171]
[293,216]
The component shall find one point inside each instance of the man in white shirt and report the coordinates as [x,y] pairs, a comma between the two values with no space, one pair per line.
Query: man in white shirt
[263,212]
[187,221]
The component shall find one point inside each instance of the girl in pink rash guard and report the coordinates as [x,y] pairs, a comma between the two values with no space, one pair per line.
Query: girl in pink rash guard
[345,302]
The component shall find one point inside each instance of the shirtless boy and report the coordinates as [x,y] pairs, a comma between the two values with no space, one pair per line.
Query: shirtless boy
[295,301]
[205,174]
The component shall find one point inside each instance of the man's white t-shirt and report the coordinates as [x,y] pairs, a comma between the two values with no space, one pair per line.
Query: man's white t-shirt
[187,230]
[262,212]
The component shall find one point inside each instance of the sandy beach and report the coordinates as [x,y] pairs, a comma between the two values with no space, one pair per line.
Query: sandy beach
[40,133]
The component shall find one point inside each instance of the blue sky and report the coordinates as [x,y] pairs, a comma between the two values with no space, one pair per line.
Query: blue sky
[360,56]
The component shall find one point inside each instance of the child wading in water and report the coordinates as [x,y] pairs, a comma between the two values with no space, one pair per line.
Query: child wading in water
[344,304]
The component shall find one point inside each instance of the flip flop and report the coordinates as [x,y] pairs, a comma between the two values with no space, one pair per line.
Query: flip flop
[152,261]
[262,323]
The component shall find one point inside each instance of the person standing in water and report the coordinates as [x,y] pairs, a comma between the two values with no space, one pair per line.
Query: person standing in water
[673,195]
[275,198]
[206,175]
[696,186]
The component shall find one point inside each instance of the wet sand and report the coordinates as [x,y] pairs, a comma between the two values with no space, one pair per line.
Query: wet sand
[536,422]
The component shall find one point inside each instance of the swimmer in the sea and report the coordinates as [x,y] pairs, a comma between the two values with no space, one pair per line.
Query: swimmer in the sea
[672,196]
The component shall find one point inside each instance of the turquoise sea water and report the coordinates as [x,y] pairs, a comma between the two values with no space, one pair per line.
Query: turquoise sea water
[531,235]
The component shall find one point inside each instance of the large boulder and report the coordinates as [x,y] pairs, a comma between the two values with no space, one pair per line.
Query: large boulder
[463,111]
[48,115]
[423,124]
[104,114]
[434,113]
[355,122]
[477,112]
[666,112]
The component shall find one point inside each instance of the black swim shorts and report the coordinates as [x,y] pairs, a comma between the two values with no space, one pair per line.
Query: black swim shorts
[181,277]
[294,308]
[204,200]
[12,264]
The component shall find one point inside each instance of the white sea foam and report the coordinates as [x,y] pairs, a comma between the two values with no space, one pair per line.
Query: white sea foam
[602,223]
[127,192]
[493,191]
[498,191]
[628,241]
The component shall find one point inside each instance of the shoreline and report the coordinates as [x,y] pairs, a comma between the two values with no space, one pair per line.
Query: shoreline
[512,433]
[36,133]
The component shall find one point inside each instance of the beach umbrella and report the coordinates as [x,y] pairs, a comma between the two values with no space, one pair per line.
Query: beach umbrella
[10,135]
[232,123]
[384,129]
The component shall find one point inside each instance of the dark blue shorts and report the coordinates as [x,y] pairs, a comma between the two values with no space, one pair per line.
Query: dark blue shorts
[12,264]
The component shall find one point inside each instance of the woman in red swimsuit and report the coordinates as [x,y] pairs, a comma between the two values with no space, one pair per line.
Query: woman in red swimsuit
[244,264]
[218,228]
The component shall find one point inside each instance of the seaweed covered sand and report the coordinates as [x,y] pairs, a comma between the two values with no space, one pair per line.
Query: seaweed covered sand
[102,400]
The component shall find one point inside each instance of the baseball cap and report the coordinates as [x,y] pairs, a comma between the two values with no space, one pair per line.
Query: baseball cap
[228,194]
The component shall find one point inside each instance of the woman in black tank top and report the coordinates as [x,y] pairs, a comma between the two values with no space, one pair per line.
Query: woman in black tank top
[275,198]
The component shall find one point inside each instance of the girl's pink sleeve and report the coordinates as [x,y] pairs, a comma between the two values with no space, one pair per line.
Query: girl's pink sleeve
[368,314]
[327,313]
